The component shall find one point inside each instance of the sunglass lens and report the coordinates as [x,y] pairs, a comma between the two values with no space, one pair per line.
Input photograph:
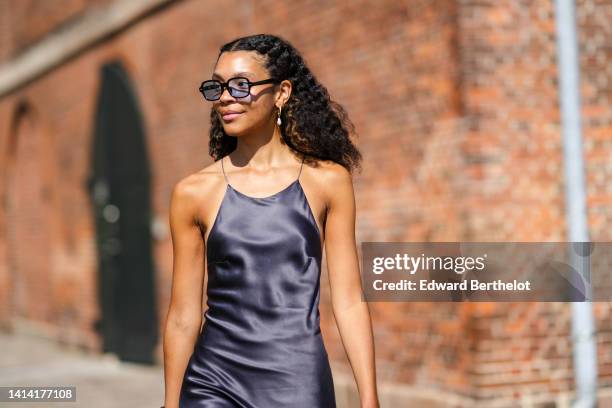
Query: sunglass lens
[239,87]
[211,90]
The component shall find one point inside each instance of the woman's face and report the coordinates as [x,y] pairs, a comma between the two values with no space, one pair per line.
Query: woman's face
[256,110]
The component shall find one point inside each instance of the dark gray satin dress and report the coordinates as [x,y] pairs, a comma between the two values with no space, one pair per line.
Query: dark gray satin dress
[261,344]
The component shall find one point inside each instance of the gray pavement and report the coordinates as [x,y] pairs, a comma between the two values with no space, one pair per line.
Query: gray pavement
[101,381]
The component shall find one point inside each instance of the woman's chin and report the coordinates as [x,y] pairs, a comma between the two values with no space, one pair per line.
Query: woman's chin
[234,131]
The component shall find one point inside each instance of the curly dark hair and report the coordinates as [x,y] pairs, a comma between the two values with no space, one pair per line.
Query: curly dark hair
[312,124]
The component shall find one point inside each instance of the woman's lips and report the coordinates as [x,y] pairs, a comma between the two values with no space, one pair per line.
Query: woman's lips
[231,116]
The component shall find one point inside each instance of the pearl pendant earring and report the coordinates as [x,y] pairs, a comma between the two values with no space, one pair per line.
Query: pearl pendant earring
[278,119]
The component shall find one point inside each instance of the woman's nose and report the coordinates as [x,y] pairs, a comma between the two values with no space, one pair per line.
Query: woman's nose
[225,95]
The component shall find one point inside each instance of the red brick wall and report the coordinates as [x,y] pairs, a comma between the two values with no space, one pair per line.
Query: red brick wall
[26,21]
[456,107]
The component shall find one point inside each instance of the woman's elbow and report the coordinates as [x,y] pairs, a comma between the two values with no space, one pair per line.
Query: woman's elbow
[184,320]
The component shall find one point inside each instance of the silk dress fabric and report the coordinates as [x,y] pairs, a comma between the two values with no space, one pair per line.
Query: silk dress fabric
[261,344]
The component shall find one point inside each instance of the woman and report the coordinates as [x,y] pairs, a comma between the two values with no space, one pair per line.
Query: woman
[280,183]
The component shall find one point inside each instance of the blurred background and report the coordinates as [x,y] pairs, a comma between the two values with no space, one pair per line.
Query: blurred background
[457,106]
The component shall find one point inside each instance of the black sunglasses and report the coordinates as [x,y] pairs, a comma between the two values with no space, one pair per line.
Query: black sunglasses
[238,87]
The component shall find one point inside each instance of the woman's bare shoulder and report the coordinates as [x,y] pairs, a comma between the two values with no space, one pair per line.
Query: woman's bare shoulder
[192,193]
[331,179]
[331,175]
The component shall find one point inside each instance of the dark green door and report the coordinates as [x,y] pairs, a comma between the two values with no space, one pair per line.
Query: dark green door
[119,186]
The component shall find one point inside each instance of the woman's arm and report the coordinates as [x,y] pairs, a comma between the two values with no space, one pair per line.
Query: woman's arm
[184,317]
[351,313]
